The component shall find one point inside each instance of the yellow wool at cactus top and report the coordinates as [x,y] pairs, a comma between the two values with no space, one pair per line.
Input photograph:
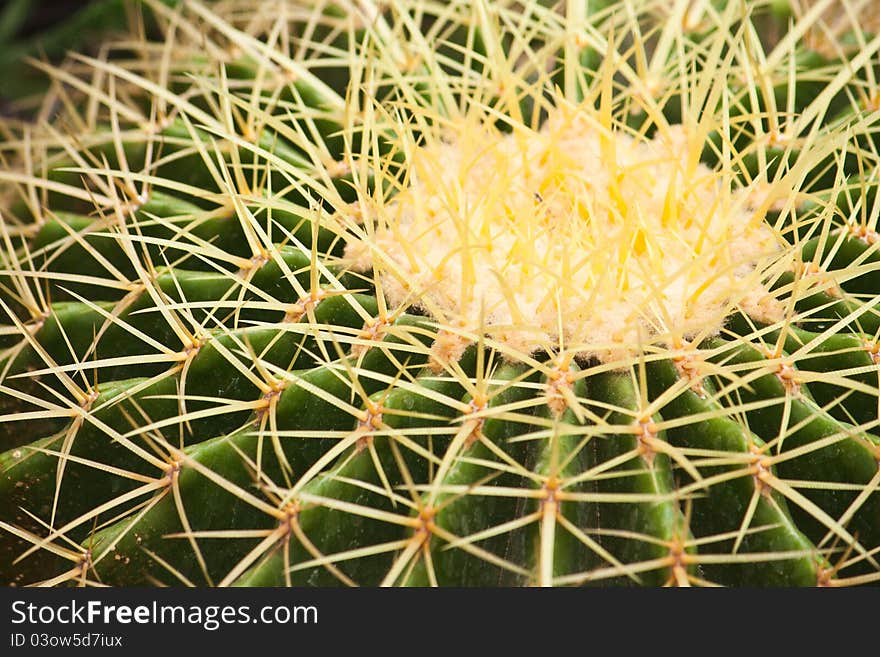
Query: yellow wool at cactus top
[622,236]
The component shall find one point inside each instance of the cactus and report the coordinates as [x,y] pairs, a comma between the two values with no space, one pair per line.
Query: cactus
[465,293]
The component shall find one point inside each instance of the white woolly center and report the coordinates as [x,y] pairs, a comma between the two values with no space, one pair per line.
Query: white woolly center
[572,233]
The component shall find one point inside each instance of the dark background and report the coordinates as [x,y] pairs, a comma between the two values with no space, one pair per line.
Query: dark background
[46,30]
[43,14]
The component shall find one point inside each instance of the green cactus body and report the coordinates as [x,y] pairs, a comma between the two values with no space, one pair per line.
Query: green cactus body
[324,294]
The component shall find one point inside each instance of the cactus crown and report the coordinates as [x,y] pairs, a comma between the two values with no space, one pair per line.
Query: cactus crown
[573,236]
[431,293]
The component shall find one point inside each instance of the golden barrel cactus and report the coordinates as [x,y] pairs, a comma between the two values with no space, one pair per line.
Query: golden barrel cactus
[446,293]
